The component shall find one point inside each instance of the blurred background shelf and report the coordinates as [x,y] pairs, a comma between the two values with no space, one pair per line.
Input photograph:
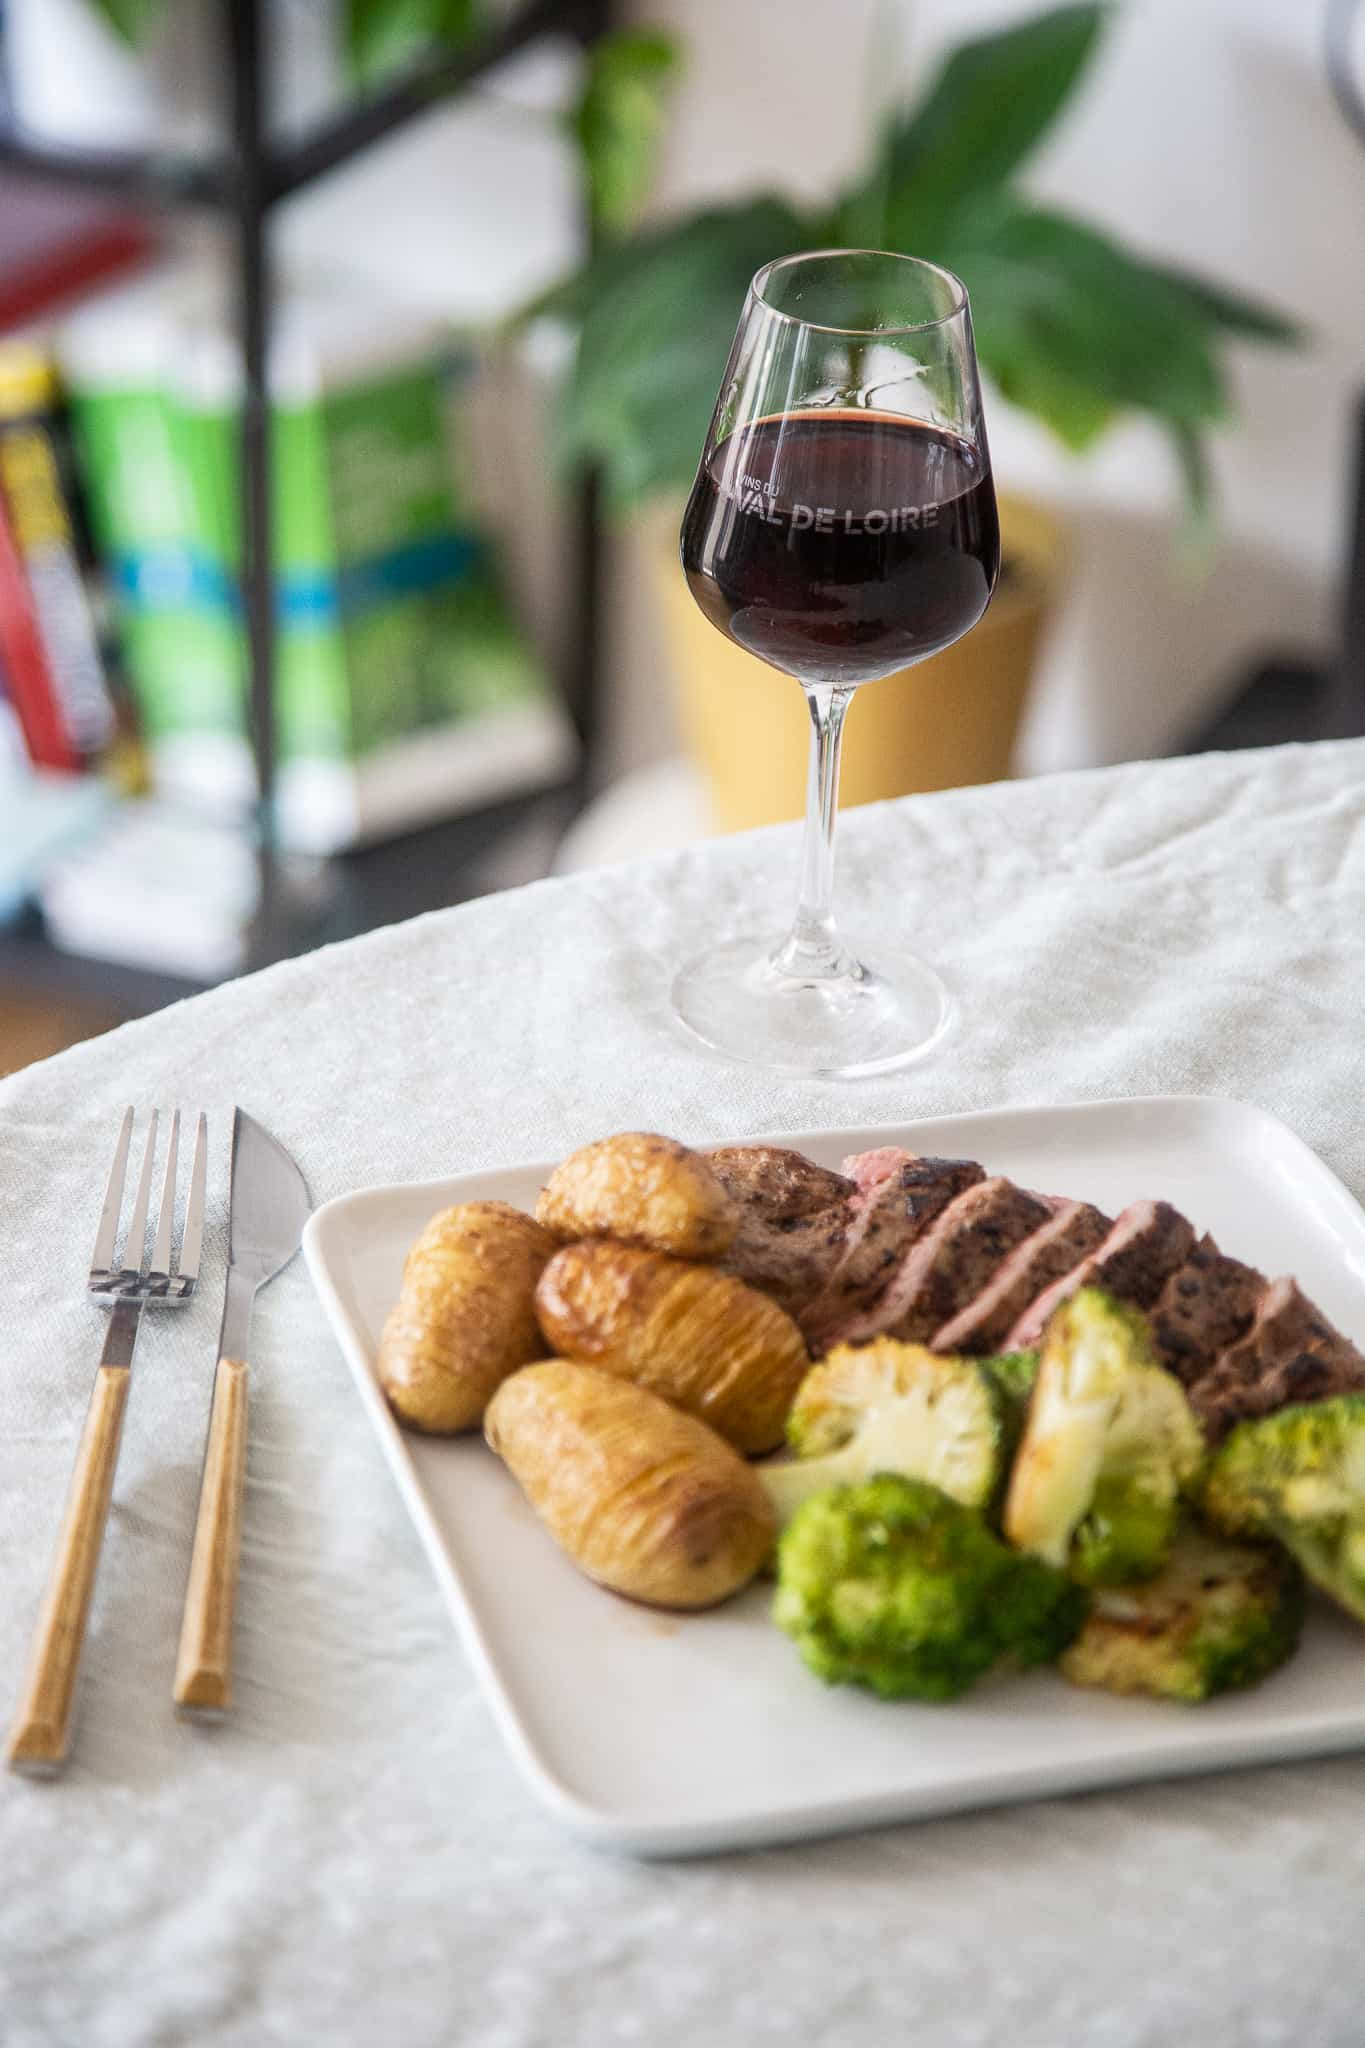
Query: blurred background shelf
[245,185]
[427,869]
[51,998]
[169,178]
[30,965]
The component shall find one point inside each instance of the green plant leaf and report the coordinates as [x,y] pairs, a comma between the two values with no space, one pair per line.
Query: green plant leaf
[1067,403]
[381,36]
[1197,532]
[990,105]
[618,123]
[131,20]
[656,318]
[1076,329]
[1193,460]
[1236,314]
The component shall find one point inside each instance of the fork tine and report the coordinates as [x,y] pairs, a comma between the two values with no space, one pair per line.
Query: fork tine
[135,1249]
[165,1220]
[102,1258]
[194,1212]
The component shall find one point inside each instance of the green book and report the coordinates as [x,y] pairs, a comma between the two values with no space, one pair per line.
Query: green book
[405,689]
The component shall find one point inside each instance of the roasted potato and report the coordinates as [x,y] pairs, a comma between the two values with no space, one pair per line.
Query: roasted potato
[465,1317]
[644,1190]
[701,1339]
[644,1499]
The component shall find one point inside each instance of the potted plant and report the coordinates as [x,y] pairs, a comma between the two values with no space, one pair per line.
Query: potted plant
[1070,326]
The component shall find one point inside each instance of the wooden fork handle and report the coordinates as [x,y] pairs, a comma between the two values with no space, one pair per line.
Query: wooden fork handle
[42,1725]
[203,1671]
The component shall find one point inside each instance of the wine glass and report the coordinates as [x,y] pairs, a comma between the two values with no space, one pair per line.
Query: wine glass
[842,526]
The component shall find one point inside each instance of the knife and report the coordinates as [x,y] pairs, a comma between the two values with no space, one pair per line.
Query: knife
[267,1209]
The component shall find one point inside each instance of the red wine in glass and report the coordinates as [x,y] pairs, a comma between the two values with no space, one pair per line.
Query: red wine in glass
[842,544]
[842,527]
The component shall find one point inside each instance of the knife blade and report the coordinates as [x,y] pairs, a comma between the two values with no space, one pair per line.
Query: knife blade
[268,1205]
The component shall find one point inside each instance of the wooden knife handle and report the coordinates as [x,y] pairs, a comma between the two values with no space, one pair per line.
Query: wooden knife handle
[42,1725]
[203,1671]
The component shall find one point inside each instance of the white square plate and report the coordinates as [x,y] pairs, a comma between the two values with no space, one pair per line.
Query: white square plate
[675,1735]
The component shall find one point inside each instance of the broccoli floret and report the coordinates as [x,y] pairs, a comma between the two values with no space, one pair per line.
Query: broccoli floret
[892,1585]
[892,1407]
[1013,1373]
[1299,1475]
[1109,1444]
[1219,1615]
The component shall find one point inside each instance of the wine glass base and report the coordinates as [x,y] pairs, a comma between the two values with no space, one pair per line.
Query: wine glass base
[840,1027]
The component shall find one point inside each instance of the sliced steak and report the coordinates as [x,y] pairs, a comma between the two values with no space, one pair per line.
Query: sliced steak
[949,1263]
[778,1184]
[1291,1353]
[1220,1400]
[794,1218]
[1205,1306]
[1148,1241]
[1286,1322]
[1071,1232]
[870,1170]
[891,1208]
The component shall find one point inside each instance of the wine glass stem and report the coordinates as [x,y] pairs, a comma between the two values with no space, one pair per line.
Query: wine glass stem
[812,948]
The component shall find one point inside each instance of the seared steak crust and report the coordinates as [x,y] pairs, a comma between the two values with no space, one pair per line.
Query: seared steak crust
[1074,1230]
[775,1183]
[1291,1353]
[890,1211]
[1147,1243]
[949,1263]
[1205,1306]
[1286,1322]
[794,1217]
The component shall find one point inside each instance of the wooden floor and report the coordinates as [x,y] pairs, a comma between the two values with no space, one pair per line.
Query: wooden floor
[31,1030]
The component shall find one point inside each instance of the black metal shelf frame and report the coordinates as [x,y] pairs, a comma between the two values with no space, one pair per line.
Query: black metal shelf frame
[245,184]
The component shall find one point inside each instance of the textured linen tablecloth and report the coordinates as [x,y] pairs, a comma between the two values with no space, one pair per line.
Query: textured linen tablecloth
[353,1860]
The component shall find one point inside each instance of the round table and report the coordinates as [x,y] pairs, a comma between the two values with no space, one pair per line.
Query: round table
[353,1859]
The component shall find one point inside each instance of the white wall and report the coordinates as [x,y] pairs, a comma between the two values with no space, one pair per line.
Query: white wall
[1205,133]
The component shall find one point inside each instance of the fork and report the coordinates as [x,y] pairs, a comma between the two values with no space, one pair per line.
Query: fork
[40,1734]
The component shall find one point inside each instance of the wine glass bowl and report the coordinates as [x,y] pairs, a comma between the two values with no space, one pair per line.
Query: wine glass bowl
[842,527]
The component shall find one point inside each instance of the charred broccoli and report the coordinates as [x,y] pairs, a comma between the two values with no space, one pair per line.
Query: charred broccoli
[893,1407]
[1299,1475]
[1012,1375]
[891,1584]
[1109,1444]
[1217,1616]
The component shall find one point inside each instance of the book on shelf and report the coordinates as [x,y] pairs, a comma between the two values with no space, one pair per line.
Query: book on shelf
[405,688]
[28,673]
[38,501]
[15,764]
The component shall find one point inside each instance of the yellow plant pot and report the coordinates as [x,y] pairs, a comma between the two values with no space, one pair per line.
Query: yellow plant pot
[950,720]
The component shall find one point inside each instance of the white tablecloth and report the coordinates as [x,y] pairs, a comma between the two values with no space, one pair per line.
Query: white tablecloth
[353,1859]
